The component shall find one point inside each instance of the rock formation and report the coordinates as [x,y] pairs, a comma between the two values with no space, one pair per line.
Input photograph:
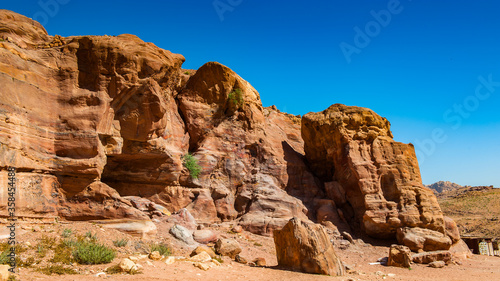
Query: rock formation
[374,181]
[306,247]
[93,122]
[98,127]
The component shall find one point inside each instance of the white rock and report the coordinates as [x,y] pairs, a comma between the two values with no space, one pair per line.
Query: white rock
[170,260]
[4,272]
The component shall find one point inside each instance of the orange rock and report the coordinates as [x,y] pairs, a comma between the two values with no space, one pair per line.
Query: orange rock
[377,180]
[306,247]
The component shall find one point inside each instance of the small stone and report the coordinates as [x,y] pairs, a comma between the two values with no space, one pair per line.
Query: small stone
[4,272]
[149,263]
[348,237]
[203,248]
[170,260]
[379,273]
[201,257]
[260,262]
[202,266]
[240,259]
[155,256]
[391,275]
[28,244]
[237,229]
[437,264]
[133,258]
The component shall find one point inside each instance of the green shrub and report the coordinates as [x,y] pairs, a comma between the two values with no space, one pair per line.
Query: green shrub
[66,233]
[4,258]
[187,72]
[236,97]
[192,165]
[93,253]
[56,269]
[90,236]
[120,243]
[163,249]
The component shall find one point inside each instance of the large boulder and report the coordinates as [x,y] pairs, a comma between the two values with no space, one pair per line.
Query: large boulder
[399,256]
[306,247]
[373,179]
[433,256]
[418,239]
[227,247]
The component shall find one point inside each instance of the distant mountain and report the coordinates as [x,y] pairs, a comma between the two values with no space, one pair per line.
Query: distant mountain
[442,186]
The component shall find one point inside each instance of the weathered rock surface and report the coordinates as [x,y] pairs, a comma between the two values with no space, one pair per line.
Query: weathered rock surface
[183,234]
[399,256]
[205,236]
[460,250]
[451,229]
[200,249]
[437,264]
[418,239]
[306,247]
[97,127]
[227,247]
[428,257]
[373,180]
[92,119]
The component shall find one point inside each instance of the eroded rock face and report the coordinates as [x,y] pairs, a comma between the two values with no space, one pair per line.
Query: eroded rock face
[251,156]
[374,180]
[306,247]
[89,120]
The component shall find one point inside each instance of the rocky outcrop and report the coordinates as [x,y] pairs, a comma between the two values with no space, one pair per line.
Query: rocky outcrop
[251,157]
[374,181]
[306,247]
[98,127]
[92,123]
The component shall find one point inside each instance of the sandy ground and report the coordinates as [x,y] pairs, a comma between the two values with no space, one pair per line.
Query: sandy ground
[358,256]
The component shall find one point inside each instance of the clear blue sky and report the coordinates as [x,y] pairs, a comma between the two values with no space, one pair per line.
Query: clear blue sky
[420,68]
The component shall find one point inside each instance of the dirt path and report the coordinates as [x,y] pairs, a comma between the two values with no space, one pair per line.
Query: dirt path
[358,257]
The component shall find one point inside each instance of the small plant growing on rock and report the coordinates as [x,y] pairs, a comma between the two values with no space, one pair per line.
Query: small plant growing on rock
[163,249]
[192,165]
[120,242]
[66,233]
[236,97]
